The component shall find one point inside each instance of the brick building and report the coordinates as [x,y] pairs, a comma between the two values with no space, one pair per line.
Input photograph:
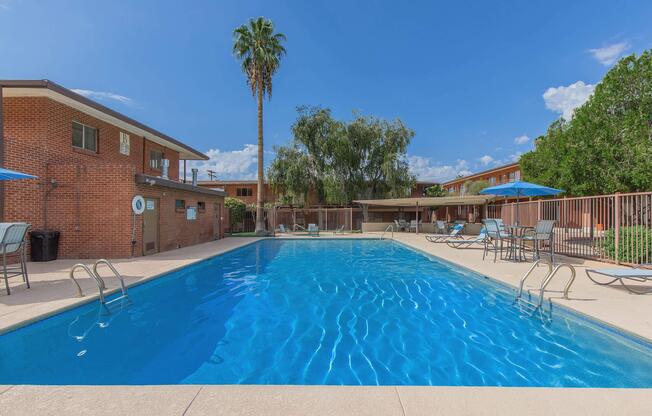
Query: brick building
[246,190]
[90,162]
[495,176]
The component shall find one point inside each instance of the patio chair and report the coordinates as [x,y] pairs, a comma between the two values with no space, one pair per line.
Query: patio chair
[398,226]
[313,230]
[12,242]
[495,237]
[403,225]
[479,239]
[543,232]
[620,275]
[339,230]
[440,227]
[414,225]
[282,229]
[455,233]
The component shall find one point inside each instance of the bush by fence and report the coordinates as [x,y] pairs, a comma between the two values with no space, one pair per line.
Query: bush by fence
[634,244]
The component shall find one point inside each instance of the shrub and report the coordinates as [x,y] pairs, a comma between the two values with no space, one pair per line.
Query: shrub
[236,209]
[634,244]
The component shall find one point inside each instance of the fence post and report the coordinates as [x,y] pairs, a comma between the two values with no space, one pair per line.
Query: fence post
[617,227]
[351,218]
[538,210]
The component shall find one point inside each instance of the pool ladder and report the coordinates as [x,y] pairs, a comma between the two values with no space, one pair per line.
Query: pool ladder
[94,274]
[390,227]
[528,304]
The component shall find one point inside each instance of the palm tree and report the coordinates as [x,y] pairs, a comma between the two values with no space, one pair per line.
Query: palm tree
[260,51]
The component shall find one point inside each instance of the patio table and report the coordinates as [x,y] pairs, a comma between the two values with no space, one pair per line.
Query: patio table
[516,248]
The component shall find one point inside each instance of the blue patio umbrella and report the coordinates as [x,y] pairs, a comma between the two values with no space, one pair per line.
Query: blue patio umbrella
[10,175]
[519,189]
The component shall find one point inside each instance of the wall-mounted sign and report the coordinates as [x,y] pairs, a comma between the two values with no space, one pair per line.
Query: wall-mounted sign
[149,205]
[191,213]
[138,204]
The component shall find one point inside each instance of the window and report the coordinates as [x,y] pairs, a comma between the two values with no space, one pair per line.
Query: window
[492,180]
[124,144]
[517,175]
[155,159]
[201,206]
[84,137]
[512,176]
[244,192]
[180,204]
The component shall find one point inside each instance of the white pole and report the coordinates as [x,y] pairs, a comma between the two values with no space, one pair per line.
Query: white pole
[417,217]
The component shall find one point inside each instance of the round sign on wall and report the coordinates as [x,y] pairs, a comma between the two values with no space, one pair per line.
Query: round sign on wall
[138,204]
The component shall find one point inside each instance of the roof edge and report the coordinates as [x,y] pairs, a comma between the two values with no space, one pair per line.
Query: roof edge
[483,172]
[53,86]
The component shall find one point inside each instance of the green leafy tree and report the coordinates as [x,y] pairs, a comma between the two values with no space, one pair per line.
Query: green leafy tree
[474,187]
[343,161]
[435,191]
[260,50]
[607,146]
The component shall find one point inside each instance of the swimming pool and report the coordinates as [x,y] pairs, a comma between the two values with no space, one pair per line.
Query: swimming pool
[343,312]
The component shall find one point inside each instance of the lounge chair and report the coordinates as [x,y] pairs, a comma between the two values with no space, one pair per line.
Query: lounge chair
[339,230]
[313,230]
[12,242]
[621,275]
[455,233]
[479,239]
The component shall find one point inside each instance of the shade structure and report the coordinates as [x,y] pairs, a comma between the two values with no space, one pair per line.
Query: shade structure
[519,189]
[10,175]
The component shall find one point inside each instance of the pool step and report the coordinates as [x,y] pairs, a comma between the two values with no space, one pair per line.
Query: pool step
[94,274]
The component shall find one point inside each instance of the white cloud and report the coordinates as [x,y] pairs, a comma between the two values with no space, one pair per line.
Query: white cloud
[486,159]
[234,164]
[565,100]
[609,55]
[424,169]
[513,158]
[5,4]
[103,95]
[521,139]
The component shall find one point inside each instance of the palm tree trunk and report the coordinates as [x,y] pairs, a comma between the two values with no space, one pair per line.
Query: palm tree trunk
[260,215]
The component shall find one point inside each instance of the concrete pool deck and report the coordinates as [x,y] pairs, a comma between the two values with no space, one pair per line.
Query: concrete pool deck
[52,291]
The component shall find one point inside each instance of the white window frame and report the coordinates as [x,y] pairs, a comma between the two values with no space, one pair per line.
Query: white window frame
[83,146]
[125,144]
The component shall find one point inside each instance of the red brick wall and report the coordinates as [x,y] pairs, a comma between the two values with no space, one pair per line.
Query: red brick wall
[87,196]
[175,230]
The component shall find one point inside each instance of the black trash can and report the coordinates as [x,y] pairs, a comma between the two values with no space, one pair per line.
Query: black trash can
[45,245]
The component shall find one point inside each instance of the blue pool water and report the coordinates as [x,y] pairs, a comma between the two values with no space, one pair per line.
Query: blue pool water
[322,312]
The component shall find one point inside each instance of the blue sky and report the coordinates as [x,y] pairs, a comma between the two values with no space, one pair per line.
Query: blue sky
[475,80]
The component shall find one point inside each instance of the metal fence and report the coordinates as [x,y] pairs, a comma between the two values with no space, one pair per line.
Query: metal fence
[615,228]
[325,218]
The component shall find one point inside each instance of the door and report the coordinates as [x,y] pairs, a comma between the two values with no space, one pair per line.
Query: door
[150,226]
[217,221]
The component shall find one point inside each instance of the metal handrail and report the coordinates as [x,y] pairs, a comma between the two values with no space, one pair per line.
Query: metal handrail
[99,281]
[389,227]
[549,279]
[115,272]
[529,272]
